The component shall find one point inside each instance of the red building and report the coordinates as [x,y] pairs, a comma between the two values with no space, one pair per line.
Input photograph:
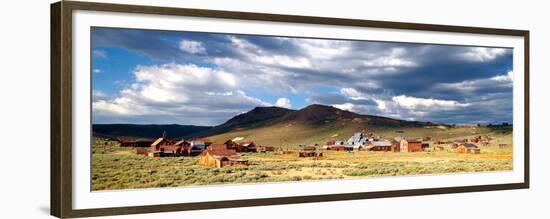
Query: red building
[337,148]
[231,145]
[382,145]
[240,147]
[410,145]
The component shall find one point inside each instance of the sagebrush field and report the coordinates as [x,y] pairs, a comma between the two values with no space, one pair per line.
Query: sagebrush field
[115,167]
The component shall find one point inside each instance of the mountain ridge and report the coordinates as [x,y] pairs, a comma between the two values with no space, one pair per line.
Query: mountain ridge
[315,118]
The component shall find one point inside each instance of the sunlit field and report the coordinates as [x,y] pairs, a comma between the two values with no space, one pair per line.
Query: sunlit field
[114,167]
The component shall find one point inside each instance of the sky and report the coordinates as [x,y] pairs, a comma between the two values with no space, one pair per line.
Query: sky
[192,78]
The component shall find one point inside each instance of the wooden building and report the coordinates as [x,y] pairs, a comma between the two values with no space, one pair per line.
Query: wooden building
[170,151]
[192,151]
[182,143]
[396,144]
[155,146]
[163,147]
[309,151]
[468,148]
[337,148]
[231,145]
[248,147]
[125,141]
[381,145]
[142,151]
[410,145]
[240,147]
[219,156]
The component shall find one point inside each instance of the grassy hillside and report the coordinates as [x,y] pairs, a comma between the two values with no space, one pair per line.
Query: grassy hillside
[310,125]
[317,124]
[290,135]
[255,118]
[314,124]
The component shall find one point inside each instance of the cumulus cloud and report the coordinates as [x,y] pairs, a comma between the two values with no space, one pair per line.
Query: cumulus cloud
[283,102]
[415,103]
[178,94]
[192,47]
[99,95]
[396,58]
[216,75]
[482,54]
[344,106]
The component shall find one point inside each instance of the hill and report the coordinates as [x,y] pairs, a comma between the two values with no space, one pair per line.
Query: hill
[314,124]
[144,131]
[257,117]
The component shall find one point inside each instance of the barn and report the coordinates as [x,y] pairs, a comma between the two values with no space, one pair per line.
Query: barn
[219,156]
[410,145]
[382,145]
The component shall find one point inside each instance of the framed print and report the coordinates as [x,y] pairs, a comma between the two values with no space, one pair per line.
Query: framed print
[169,109]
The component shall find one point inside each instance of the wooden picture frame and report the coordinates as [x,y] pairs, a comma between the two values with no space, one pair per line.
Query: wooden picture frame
[62,107]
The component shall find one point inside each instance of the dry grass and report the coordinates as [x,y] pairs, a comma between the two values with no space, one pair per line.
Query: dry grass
[121,168]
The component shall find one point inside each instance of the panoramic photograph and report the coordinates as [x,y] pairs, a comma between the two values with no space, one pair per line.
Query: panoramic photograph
[177,108]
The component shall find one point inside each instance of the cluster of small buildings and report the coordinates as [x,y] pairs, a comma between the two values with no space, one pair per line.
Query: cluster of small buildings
[370,142]
[209,154]
[165,147]
[467,145]
[225,154]
[463,147]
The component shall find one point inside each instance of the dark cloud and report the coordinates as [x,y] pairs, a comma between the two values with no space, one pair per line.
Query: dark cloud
[336,98]
[439,83]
